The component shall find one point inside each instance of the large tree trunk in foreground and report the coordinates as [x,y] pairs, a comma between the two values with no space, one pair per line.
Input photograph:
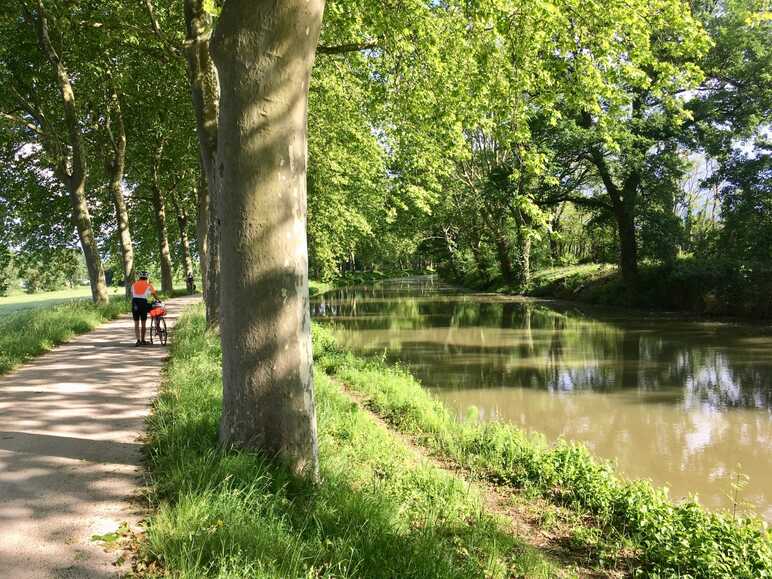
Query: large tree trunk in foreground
[74,176]
[116,167]
[159,208]
[204,88]
[264,52]
[213,294]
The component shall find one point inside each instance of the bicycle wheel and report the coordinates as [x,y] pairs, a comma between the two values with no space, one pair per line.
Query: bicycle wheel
[162,331]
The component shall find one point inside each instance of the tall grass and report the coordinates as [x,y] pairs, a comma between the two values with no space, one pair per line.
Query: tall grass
[670,539]
[29,333]
[378,512]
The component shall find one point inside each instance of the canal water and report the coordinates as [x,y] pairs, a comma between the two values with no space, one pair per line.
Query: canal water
[685,403]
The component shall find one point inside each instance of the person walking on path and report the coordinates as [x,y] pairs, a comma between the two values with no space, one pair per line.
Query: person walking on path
[141,290]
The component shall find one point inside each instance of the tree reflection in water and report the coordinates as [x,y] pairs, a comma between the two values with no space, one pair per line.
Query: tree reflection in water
[678,401]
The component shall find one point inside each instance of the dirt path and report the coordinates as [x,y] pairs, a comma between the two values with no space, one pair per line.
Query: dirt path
[69,450]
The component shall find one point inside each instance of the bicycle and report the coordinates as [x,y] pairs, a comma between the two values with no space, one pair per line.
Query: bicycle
[157,315]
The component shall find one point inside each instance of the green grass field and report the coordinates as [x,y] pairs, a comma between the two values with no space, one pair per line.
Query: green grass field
[22,301]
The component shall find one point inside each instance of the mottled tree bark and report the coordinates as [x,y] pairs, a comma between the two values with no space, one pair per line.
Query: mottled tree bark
[116,166]
[205,94]
[159,209]
[72,171]
[213,295]
[264,51]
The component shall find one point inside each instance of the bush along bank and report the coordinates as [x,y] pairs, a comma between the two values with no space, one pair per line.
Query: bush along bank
[29,333]
[378,512]
[714,288]
[669,539]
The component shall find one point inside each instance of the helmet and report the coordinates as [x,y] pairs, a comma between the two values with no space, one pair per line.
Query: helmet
[143,275]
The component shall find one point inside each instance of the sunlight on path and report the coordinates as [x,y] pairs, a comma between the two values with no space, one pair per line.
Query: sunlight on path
[69,450]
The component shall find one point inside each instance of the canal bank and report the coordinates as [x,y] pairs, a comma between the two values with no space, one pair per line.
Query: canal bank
[693,287]
[380,509]
[614,519]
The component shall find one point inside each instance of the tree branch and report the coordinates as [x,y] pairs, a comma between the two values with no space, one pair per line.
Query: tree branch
[20,121]
[169,46]
[344,48]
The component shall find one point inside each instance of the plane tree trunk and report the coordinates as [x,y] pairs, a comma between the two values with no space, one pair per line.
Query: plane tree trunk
[202,228]
[205,94]
[182,225]
[162,230]
[71,165]
[116,164]
[264,51]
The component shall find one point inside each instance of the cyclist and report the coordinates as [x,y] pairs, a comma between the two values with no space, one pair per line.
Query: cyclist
[141,290]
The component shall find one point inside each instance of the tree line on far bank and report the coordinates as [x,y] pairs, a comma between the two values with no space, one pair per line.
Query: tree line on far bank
[489,139]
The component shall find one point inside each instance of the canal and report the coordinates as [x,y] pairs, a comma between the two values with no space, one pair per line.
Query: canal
[685,403]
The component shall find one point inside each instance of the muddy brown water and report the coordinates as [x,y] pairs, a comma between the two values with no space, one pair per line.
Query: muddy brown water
[687,404]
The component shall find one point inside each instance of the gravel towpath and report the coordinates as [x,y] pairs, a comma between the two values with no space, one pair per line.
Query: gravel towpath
[70,423]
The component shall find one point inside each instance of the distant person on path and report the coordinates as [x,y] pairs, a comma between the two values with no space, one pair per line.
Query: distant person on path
[141,290]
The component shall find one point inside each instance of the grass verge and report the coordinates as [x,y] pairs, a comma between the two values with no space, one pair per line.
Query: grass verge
[668,539]
[28,333]
[379,512]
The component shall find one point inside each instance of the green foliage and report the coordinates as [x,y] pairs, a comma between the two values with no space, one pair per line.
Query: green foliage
[478,138]
[376,513]
[7,271]
[746,197]
[29,333]
[347,186]
[51,269]
[669,539]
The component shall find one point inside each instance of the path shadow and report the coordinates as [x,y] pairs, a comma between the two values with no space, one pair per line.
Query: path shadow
[69,451]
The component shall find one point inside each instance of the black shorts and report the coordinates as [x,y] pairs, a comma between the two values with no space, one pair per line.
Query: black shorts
[139,309]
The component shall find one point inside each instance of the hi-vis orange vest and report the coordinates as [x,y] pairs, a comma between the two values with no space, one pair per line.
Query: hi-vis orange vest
[142,289]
